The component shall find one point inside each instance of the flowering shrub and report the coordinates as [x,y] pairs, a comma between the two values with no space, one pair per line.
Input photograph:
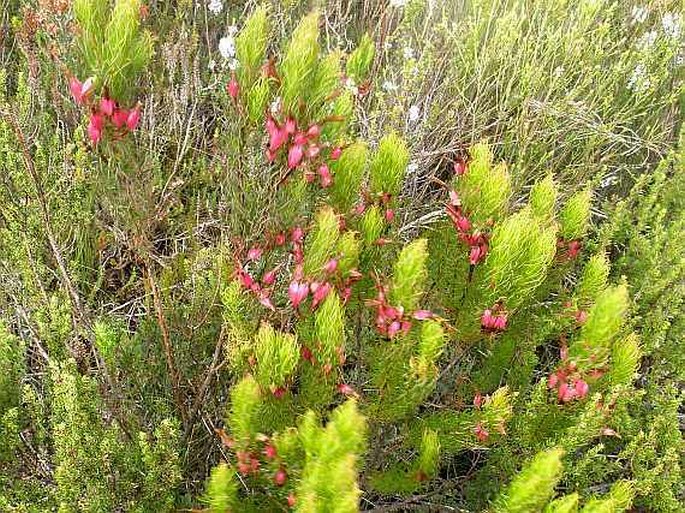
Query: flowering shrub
[289,281]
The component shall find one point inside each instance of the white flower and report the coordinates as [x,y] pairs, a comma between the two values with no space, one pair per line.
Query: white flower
[639,81]
[212,65]
[412,168]
[408,52]
[414,113]
[233,64]
[639,14]
[227,47]
[647,40]
[232,30]
[351,86]
[275,106]
[398,3]
[215,6]
[671,24]
[389,86]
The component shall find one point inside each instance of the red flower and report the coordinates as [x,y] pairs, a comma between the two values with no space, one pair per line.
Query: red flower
[95,126]
[335,154]
[233,87]
[325,174]
[295,155]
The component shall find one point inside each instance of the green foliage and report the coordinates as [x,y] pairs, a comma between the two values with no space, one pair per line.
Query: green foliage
[112,45]
[594,279]
[574,217]
[485,189]
[328,480]
[299,62]
[277,355]
[321,242]
[348,172]
[566,504]
[246,400]
[534,485]
[543,198]
[221,494]
[250,50]
[360,60]
[388,165]
[409,276]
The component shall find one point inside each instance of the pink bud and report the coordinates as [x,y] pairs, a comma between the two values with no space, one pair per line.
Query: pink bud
[255,253]
[563,352]
[292,500]
[454,198]
[300,139]
[335,154]
[270,452]
[297,292]
[422,315]
[346,293]
[474,255]
[269,278]
[481,433]
[279,239]
[133,118]
[566,392]
[478,400]
[574,248]
[307,354]
[290,126]
[313,151]
[394,328]
[95,126]
[389,215]
[280,477]
[487,320]
[500,322]
[331,266]
[119,117]
[87,87]
[391,312]
[278,392]
[107,106]
[463,224]
[320,293]
[581,316]
[345,389]
[325,174]
[459,167]
[295,155]
[314,131]
[581,387]
[297,234]
[266,301]
[552,381]
[75,86]
[359,209]
[245,279]
[233,87]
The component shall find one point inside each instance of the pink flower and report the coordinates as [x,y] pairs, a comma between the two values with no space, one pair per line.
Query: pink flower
[459,167]
[346,389]
[566,392]
[300,139]
[331,266]
[478,400]
[487,319]
[245,279]
[280,239]
[280,477]
[277,136]
[319,292]
[119,117]
[394,328]
[255,253]
[581,387]
[389,215]
[325,174]
[133,118]
[500,322]
[270,452]
[552,381]
[278,392]
[297,292]
[313,151]
[463,224]
[107,106]
[314,131]
[346,293]
[335,154]
[233,87]
[422,315]
[359,209]
[406,327]
[297,235]
[563,352]
[95,127]
[581,316]
[481,433]
[266,301]
[80,91]
[290,126]
[295,155]
[574,248]
[475,255]
[269,278]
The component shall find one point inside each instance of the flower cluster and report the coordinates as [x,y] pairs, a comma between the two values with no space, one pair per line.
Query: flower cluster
[391,320]
[106,109]
[475,239]
[494,319]
[302,145]
[568,381]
